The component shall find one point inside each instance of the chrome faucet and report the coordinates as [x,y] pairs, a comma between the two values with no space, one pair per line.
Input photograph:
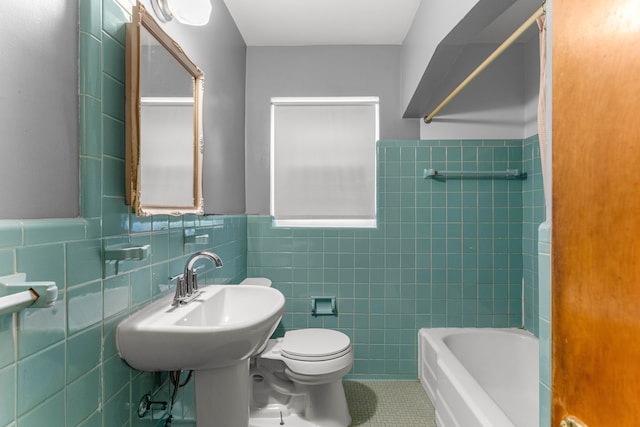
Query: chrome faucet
[187,285]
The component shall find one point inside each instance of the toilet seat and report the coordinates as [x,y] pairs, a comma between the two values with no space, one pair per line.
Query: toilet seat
[315,344]
[312,352]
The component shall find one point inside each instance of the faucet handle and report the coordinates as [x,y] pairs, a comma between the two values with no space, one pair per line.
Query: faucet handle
[180,284]
[181,289]
[194,283]
[177,276]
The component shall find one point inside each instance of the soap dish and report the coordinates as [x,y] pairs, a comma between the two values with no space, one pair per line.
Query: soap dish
[126,252]
[118,252]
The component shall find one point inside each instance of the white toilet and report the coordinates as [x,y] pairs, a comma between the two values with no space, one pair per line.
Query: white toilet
[296,381]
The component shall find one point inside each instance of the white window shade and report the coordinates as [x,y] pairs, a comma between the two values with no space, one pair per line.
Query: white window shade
[323,161]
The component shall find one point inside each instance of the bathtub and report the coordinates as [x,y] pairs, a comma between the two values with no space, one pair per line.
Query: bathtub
[480,377]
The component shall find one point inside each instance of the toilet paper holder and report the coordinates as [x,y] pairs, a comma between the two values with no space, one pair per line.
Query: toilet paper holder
[324,306]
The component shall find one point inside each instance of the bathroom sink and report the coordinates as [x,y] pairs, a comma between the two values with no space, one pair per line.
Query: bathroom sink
[225,324]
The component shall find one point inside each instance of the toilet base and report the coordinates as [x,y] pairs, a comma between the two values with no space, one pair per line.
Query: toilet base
[292,420]
[325,406]
[296,383]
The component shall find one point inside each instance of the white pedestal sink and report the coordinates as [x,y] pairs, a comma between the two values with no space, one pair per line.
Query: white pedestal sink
[214,335]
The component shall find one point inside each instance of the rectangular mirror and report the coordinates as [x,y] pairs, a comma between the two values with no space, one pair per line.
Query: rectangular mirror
[164,136]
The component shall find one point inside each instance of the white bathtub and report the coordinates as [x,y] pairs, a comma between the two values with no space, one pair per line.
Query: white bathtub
[480,377]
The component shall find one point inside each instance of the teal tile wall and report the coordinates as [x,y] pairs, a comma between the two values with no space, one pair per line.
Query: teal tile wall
[445,253]
[544,262]
[59,366]
[533,213]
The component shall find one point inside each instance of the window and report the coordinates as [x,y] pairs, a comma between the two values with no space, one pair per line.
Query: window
[323,161]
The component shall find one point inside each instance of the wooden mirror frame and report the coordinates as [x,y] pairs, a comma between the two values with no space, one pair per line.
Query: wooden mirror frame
[141,18]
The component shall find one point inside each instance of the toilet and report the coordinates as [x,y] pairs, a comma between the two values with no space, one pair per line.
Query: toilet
[296,380]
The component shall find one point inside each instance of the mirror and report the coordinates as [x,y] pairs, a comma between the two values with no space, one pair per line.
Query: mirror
[164,134]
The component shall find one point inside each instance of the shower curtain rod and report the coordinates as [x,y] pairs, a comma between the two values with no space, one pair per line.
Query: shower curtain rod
[508,42]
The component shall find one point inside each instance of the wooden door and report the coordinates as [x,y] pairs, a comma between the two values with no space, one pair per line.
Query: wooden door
[596,212]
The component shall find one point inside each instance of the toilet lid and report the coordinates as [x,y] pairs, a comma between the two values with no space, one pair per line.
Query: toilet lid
[315,343]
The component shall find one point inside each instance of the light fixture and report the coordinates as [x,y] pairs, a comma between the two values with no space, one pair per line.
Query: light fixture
[189,12]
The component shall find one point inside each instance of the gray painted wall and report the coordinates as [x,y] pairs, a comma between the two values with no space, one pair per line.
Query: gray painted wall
[431,24]
[39,110]
[220,51]
[316,71]
[492,106]
[445,44]
[39,174]
[531,85]
[500,103]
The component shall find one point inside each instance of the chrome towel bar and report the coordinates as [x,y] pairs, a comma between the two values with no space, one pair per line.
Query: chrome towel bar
[507,174]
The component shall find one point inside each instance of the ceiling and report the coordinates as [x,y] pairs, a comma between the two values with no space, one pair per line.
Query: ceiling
[323,22]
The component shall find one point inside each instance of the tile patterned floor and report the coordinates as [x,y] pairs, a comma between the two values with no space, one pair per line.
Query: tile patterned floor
[379,404]
[389,403]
